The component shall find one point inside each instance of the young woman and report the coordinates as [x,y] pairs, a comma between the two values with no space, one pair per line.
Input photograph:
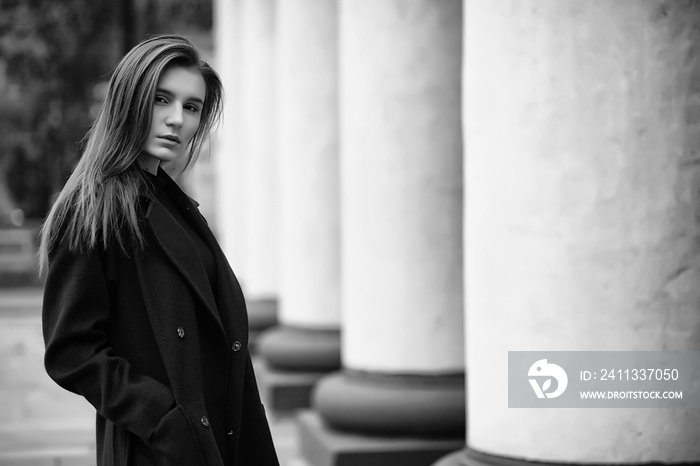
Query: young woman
[142,314]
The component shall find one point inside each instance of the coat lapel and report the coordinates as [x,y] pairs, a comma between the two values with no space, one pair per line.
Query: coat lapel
[181,251]
[229,294]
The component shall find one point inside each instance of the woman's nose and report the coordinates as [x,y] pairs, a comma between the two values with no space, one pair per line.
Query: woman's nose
[175,116]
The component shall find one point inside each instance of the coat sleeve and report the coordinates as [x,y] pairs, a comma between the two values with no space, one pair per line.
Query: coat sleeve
[76,316]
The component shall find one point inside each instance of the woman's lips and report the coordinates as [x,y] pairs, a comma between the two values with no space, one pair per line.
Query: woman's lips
[171,138]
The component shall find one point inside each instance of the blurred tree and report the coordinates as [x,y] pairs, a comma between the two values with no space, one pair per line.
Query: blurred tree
[143,17]
[53,57]
[53,53]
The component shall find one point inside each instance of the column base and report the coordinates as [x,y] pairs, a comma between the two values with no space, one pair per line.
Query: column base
[460,458]
[295,349]
[469,457]
[284,392]
[262,315]
[321,446]
[293,360]
[393,405]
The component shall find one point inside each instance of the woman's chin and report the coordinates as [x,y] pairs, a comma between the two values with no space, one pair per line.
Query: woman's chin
[164,155]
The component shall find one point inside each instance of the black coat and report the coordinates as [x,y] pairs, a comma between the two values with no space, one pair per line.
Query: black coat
[164,362]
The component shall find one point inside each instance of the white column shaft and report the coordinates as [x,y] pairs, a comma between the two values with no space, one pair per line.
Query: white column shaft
[227,144]
[581,227]
[307,90]
[401,162]
[260,221]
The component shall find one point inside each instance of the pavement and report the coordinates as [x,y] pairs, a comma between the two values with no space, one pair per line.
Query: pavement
[40,423]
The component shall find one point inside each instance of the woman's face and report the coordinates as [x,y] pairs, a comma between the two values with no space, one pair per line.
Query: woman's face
[177,109]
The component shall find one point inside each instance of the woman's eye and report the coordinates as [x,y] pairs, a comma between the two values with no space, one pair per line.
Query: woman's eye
[162,100]
[192,108]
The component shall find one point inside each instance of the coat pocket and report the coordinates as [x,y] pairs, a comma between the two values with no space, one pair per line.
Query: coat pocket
[175,439]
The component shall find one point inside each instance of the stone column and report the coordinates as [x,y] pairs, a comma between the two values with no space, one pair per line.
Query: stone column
[401,217]
[226,144]
[248,175]
[582,206]
[259,133]
[307,344]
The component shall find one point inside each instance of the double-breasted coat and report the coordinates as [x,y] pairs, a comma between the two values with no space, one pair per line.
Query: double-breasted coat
[159,352]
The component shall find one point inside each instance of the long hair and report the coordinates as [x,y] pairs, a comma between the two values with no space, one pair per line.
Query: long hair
[99,204]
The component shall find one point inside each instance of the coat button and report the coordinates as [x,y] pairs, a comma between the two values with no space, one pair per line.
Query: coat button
[204,421]
[230,432]
[181,332]
[236,346]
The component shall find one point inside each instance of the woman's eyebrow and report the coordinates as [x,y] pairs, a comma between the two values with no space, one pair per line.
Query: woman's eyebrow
[170,94]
